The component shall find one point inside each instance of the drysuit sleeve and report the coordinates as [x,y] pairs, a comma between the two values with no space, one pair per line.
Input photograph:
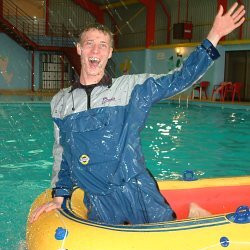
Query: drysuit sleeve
[57,155]
[157,87]
[61,181]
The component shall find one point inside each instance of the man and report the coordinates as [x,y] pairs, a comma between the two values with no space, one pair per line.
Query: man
[97,127]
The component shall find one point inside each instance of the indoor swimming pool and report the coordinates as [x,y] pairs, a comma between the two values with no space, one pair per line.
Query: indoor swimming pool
[213,141]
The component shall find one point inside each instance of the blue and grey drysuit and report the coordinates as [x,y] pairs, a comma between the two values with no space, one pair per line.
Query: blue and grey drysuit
[97,141]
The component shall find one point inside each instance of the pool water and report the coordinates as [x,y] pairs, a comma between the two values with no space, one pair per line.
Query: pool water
[26,139]
[211,141]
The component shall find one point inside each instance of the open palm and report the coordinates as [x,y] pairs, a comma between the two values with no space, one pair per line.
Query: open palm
[224,24]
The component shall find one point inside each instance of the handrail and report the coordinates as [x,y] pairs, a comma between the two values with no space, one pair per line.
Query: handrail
[17,16]
[34,29]
[13,6]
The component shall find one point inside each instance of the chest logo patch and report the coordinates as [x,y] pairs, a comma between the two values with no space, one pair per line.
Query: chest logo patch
[84,159]
[106,99]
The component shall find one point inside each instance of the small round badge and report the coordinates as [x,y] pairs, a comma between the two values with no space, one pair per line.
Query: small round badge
[84,159]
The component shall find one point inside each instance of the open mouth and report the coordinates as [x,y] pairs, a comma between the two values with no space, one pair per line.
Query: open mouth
[94,61]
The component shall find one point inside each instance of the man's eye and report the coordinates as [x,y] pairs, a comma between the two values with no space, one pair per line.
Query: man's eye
[103,45]
[90,44]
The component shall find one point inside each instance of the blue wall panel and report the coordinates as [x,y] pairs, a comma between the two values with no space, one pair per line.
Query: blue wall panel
[15,65]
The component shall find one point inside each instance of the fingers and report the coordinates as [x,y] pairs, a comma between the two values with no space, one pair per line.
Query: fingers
[239,12]
[36,214]
[240,22]
[221,10]
[239,16]
[44,208]
[233,7]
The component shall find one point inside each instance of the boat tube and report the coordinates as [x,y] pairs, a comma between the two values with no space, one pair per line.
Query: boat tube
[228,199]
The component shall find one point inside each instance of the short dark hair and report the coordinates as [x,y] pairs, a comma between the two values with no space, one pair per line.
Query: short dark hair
[100,27]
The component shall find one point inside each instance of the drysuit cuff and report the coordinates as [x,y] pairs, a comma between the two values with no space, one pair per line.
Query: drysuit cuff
[210,49]
[60,192]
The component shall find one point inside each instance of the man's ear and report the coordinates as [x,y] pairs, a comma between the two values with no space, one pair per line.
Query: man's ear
[110,53]
[79,49]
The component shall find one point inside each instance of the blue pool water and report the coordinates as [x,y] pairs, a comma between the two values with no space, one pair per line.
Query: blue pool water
[211,141]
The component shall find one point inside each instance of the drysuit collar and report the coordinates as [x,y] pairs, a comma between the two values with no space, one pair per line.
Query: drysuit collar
[105,81]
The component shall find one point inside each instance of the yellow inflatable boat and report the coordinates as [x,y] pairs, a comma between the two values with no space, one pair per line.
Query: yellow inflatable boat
[69,228]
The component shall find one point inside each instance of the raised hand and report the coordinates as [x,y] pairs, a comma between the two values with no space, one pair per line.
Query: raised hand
[225,24]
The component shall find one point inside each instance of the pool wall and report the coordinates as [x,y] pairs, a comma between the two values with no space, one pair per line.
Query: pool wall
[156,60]
[16,62]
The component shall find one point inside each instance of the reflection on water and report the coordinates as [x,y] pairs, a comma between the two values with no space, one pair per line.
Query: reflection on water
[211,141]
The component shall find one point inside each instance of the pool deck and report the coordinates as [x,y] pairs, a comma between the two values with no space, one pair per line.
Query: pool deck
[216,103]
[45,96]
[10,96]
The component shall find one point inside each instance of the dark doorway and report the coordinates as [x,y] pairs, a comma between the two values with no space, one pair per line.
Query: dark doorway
[237,69]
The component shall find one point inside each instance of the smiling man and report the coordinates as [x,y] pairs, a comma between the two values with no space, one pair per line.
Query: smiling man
[94,48]
[98,123]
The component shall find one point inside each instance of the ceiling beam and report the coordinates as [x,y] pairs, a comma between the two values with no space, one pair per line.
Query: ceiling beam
[121,3]
[93,8]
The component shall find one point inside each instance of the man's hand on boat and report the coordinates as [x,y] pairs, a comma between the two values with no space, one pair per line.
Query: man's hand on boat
[49,206]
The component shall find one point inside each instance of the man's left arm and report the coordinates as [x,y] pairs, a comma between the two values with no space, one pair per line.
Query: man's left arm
[156,87]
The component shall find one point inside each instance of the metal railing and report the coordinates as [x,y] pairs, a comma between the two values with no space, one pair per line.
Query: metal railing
[36,30]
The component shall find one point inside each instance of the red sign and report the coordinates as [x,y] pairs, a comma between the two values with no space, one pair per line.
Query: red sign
[188,31]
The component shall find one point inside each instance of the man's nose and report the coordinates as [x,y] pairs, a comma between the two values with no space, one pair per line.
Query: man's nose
[95,48]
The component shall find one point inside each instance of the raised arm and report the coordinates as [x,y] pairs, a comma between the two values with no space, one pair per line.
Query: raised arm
[156,87]
[226,23]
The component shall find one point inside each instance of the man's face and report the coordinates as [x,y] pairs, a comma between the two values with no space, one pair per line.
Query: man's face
[95,50]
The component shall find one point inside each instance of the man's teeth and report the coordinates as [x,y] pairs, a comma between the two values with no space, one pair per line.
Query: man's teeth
[94,59]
